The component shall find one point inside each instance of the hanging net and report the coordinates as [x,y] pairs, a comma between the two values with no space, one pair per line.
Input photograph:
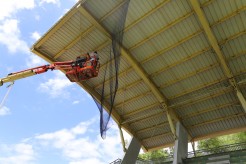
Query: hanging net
[112,68]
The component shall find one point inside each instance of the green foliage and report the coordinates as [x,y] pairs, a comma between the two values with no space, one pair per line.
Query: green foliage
[154,155]
[222,140]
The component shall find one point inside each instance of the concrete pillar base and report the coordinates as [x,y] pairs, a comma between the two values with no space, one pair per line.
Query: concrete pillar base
[181,144]
[132,152]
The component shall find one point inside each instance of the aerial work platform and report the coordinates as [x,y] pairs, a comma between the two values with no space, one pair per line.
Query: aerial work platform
[182,62]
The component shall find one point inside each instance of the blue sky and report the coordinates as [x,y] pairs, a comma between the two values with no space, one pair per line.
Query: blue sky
[45,119]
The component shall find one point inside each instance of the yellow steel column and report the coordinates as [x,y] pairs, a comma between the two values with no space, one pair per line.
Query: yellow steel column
[202,18]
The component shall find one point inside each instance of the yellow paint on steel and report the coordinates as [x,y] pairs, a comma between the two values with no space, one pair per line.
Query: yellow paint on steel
[130,59]
[83,33]
[73,42]
[161,125]
[207,3]
[217,107]
[211,37]
[164,2]
[198,88]
[13,77]
[200,52]
[172,82]
[119,75]
[141,109]
[166,28]
[86,87]
[196,100]
[208,84]
[203,20]
[220,133]
[193,35]
[180,61]
[156,115]
[166,145]
[180,19]
[58,25]
[202,137]
[164,50]
[133,99]
[197,53]
[156,136]
[217,120]
[124,89]
[112,11]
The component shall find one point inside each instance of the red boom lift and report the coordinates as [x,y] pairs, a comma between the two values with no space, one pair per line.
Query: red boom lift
[78,70]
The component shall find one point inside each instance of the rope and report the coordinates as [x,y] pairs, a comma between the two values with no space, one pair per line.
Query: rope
[6,95]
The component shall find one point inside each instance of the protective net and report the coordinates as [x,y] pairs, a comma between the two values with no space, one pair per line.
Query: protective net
[112,67]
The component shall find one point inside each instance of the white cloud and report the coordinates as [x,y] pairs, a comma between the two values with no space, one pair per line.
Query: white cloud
[56,86]
[21,153]
[10,36]
[55,2]
[75,102]
[4,111]
[37,17]
[80,145]
[35,35]
[9,8]
[34,61]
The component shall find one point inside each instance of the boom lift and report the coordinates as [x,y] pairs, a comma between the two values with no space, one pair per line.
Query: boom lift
[78,70]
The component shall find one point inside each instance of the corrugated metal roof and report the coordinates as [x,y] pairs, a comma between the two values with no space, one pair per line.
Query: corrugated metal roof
[166,43]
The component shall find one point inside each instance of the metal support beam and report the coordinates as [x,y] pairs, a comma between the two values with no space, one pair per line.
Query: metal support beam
[153,127]
[189,102]
[217,120]
[84,85]
[125,53]
[127,101]
[147,14]
[242,100]
[166,49]
[72,43]
[144,119]
[60,23]
[186,76]
[203,20]
[122,139]
[202,137]
[213,108]
[136,119]
[176,21]
[220,133]
[141,109]
[156,136]
[189,57]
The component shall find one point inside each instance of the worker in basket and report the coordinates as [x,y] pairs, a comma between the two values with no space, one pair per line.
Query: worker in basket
[88,64]
[82,59]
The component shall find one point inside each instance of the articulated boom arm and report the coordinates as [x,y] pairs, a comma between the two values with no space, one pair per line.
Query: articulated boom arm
[75,70]
[36,70]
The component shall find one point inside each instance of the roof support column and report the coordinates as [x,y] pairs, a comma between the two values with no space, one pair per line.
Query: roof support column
[181,144]
[214,43]
[170,121]
[241,99]
[132,152]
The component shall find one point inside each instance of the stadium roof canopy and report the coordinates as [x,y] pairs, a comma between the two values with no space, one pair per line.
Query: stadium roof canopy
[181,61]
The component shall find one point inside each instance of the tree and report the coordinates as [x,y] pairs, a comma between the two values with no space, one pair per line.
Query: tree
[212,143]
[154,155]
